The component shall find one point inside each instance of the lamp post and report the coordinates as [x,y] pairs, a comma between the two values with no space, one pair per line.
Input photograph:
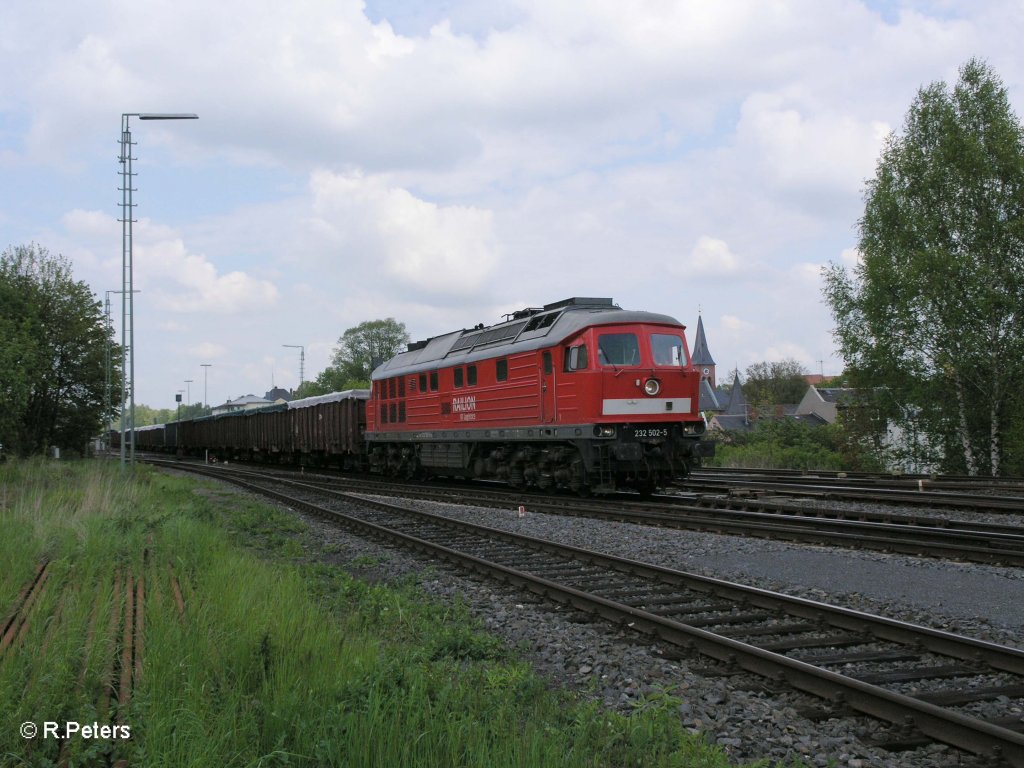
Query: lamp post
[188,389]
[206,370]
[127,276]
[302,360]
[108,406]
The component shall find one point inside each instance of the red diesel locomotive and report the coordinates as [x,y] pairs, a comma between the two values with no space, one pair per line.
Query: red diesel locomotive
[580,394]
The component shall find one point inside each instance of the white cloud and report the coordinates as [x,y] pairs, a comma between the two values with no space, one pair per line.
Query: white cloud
[804,147]
[472,158]
[851,257]
[184,282]
[711,257]
[422,247]
[734,324]
[209,351]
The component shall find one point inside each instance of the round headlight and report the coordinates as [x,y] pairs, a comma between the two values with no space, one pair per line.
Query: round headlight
[652,387]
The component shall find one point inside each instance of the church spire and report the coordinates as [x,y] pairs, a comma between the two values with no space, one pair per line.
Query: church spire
[701,356]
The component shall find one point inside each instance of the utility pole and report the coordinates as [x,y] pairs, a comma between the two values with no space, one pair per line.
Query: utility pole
[302,361]
[206,370]
[128,274]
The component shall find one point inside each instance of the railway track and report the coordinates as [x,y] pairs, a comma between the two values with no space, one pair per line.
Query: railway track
[751,516]
[932,685]
[921,492]
[873,479]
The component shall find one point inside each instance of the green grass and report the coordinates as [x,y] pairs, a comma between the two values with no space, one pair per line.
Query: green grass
[280,659]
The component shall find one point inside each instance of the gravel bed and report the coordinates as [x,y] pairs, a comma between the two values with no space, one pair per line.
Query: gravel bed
[737,712]
[980,600]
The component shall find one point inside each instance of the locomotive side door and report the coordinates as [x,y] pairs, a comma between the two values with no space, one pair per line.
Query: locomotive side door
[547,388]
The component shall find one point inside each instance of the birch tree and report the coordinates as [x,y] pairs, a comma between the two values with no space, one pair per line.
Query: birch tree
[935,309]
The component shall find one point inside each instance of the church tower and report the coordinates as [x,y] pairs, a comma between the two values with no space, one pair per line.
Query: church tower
[701,356]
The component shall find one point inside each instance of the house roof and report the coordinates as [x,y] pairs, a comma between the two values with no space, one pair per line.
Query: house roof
[732,422]
[737,405]
[278,393]
[836,394]
[810,419]
[708,399]
[243,400]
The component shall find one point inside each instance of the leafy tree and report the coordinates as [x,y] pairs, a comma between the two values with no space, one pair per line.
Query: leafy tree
[935,309]
[360,350]
[771,383]
[53,344]
[313,388]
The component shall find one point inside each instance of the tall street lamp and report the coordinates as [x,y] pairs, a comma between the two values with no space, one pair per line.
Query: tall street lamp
[206,370]
[127,276]
[302,360]
[188,384]
[109,327]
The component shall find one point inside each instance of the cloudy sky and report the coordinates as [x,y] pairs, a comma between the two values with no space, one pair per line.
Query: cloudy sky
[445,162]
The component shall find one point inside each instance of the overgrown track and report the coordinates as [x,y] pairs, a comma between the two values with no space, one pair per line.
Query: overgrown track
[970,685]
[750,516]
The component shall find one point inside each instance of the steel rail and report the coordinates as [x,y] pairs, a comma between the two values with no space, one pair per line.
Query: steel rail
[999,545]
[978,502]
[950,727]
[868,479]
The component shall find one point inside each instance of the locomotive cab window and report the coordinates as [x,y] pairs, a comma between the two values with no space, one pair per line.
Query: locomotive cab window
[618,349]
[667,349]
[576,358]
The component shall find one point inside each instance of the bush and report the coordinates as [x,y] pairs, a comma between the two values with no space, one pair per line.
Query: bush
[791,444]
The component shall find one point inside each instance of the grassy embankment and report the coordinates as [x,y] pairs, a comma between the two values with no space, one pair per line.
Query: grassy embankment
[277,659]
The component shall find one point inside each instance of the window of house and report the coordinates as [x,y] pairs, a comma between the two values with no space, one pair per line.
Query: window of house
[391,387]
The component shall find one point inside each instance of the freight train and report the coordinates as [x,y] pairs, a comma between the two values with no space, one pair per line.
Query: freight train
[579,394]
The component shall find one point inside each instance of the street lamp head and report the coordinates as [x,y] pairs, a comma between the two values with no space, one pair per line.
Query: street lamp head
[166,116]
